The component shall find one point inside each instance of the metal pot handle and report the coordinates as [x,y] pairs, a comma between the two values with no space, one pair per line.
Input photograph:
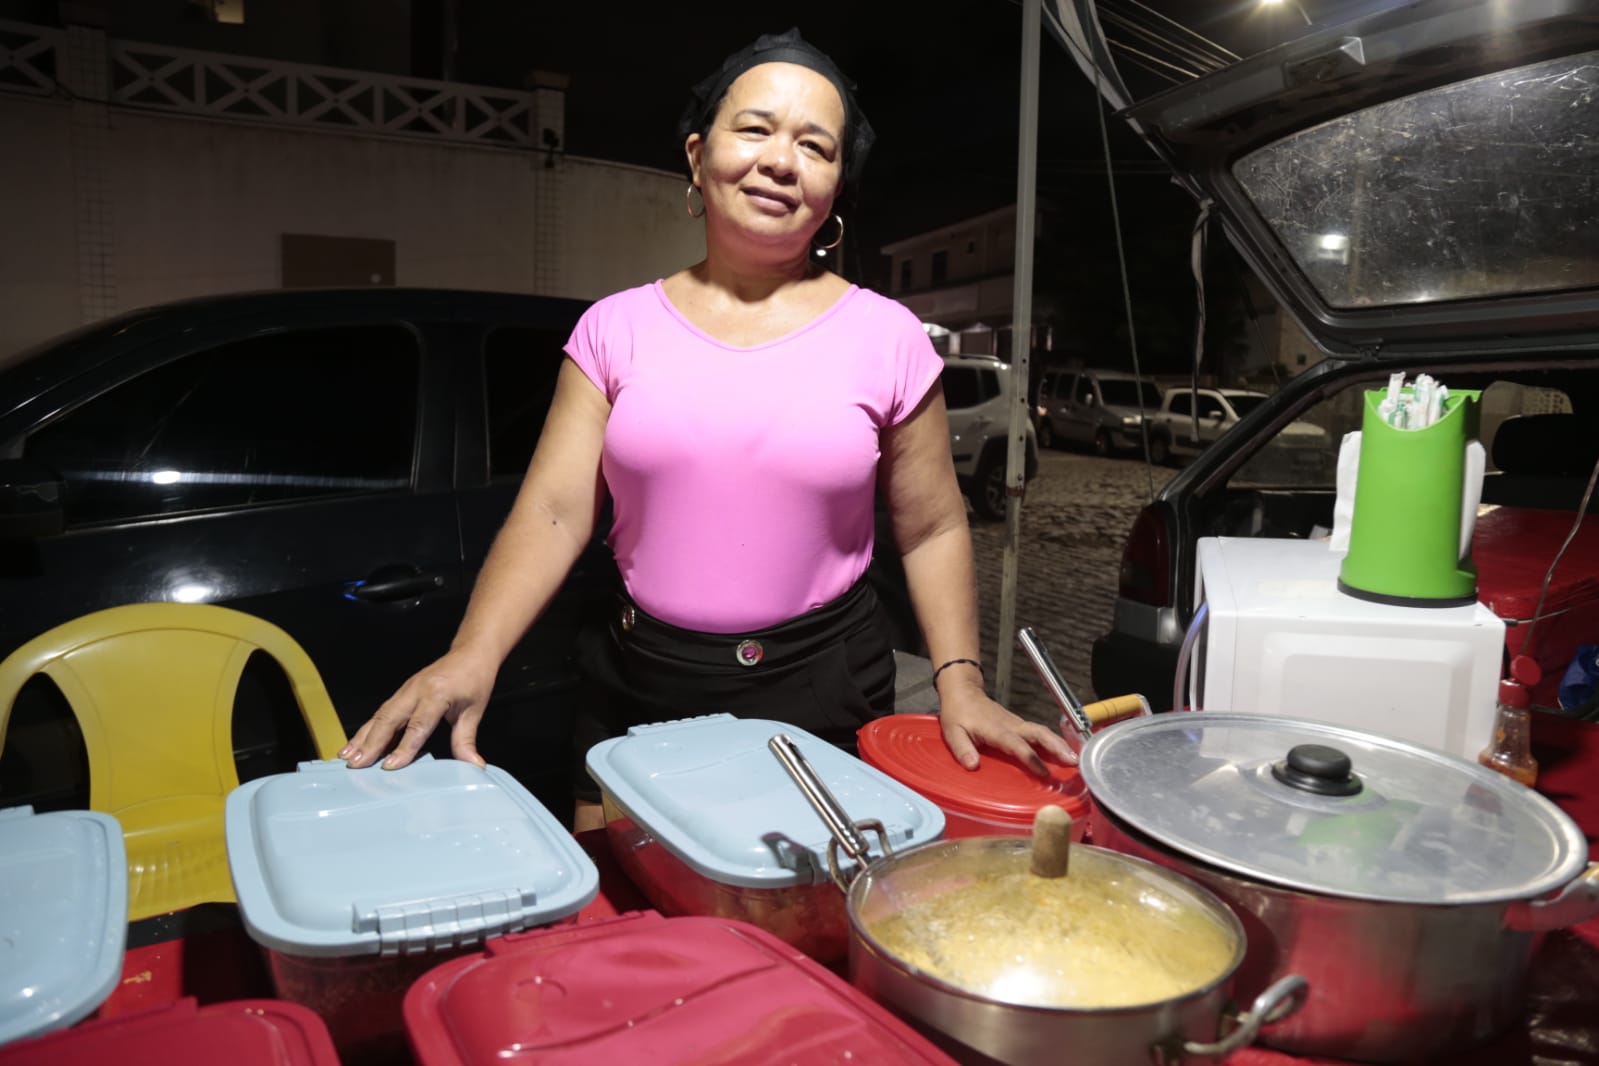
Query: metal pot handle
[1285,996]
[848,835]
[1577,902]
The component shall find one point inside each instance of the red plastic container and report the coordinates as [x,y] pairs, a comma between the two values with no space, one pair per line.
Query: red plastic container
[810,916]
[356,882]
[999,798]
[645,988]
[245,1032]
[703,818]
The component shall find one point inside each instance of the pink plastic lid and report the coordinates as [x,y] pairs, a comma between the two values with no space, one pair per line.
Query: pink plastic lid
[245,1032]
[644,988]
[910,748]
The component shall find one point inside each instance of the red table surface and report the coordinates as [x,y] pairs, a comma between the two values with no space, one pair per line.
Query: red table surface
[1560,1027]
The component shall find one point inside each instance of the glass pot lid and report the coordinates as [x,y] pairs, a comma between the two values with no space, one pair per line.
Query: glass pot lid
[1331,810]
[1113,932]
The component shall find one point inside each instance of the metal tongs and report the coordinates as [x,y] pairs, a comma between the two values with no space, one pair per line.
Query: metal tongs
[848,836]
[1078,721]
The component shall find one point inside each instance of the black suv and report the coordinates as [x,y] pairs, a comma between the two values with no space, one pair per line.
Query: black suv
[336,462]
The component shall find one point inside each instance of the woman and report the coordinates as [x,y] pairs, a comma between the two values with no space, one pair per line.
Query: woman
[742,413]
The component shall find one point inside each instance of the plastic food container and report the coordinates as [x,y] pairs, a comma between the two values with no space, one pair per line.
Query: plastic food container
[358,881]
[703,818]
[643,988]
[63,917]
[999,798]
[246,1032]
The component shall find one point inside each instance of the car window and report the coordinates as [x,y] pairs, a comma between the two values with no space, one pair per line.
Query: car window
[1210,407]
[1047,388]
[1242,405]
[1122,392]
[1083,389]
[968,386]
[520,365]
[1304,453]
[282,417]
[1181,404]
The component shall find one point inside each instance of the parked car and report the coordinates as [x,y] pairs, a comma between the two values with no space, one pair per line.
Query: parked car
[1189,421]
[977,393]
[1323,159]
[336,462]
[1101,408]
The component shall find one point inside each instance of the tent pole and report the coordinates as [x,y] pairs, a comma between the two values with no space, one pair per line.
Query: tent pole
[1021,340]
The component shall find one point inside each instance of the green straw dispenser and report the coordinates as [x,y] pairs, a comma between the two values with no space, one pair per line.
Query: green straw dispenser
[1405,529]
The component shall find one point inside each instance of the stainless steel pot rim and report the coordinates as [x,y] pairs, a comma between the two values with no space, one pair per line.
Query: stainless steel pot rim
[1423,827]
[1202,897]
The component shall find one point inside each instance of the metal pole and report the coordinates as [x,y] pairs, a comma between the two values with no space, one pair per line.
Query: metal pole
[1021,332]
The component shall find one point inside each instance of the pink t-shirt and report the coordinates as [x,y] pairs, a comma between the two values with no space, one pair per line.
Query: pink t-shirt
[743,479]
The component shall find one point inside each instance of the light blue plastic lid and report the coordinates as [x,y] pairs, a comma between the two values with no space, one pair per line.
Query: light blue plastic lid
[712,793]
[63,917]
[331,861]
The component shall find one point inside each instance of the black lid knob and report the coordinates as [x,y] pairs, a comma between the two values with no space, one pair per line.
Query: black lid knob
[1317,768]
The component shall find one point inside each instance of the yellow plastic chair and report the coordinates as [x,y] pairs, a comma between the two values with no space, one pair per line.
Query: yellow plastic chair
[152,686]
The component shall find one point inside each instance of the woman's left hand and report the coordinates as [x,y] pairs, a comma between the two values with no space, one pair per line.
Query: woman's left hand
[971,720]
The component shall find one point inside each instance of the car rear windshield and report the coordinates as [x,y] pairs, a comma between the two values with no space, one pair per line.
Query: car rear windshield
[1484,187]
[1124,393]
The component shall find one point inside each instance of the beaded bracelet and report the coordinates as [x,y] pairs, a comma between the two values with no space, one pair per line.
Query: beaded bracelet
[953,662]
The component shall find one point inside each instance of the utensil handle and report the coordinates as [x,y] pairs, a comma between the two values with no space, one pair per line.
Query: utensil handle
[1052,842]
[1104,712]
[832,813]
[1073,718]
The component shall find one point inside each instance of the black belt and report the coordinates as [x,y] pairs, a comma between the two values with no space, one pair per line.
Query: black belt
[774,648]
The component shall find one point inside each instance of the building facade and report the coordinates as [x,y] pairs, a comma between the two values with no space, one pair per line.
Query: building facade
[960,280]
[151,172]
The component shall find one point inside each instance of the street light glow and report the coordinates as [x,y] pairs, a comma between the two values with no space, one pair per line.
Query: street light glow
[1297,7]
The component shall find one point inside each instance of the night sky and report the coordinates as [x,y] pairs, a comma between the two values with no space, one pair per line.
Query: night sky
[940,82]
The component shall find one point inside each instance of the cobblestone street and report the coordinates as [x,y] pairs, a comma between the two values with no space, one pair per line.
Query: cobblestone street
[1075,520]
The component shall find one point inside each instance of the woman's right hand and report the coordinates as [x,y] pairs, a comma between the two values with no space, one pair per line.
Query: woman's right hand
[455,688]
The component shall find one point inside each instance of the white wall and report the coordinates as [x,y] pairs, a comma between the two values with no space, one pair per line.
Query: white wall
[624,226]
[38,239]
[199,206]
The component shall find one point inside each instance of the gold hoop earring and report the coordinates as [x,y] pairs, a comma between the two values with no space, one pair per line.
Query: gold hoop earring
[836,240]
[688,201]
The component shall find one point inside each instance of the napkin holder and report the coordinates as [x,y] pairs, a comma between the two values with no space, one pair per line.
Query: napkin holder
[1415,501]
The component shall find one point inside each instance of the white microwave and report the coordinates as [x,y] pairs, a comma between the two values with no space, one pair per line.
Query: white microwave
[1279,638]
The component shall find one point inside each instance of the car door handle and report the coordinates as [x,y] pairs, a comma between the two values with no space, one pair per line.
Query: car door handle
[388,589]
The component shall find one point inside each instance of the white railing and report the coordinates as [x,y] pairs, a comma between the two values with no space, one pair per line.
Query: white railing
[263,90]
[29,57]
[220,85]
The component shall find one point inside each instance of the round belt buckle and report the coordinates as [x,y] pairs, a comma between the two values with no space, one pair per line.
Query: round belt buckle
[749,652]
[629,618]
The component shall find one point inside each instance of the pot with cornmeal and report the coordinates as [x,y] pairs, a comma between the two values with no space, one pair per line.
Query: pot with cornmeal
[1118,961]
[1032,950]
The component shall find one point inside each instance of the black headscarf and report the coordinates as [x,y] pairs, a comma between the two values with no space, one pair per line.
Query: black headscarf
[788,47]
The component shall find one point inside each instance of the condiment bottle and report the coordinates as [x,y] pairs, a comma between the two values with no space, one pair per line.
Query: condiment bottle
[1510,751]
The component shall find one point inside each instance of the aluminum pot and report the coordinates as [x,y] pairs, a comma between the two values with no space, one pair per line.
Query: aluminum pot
[1013,1015]
[1410,887]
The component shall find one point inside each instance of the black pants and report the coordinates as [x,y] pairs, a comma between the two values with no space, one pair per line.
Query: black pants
[829,671]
